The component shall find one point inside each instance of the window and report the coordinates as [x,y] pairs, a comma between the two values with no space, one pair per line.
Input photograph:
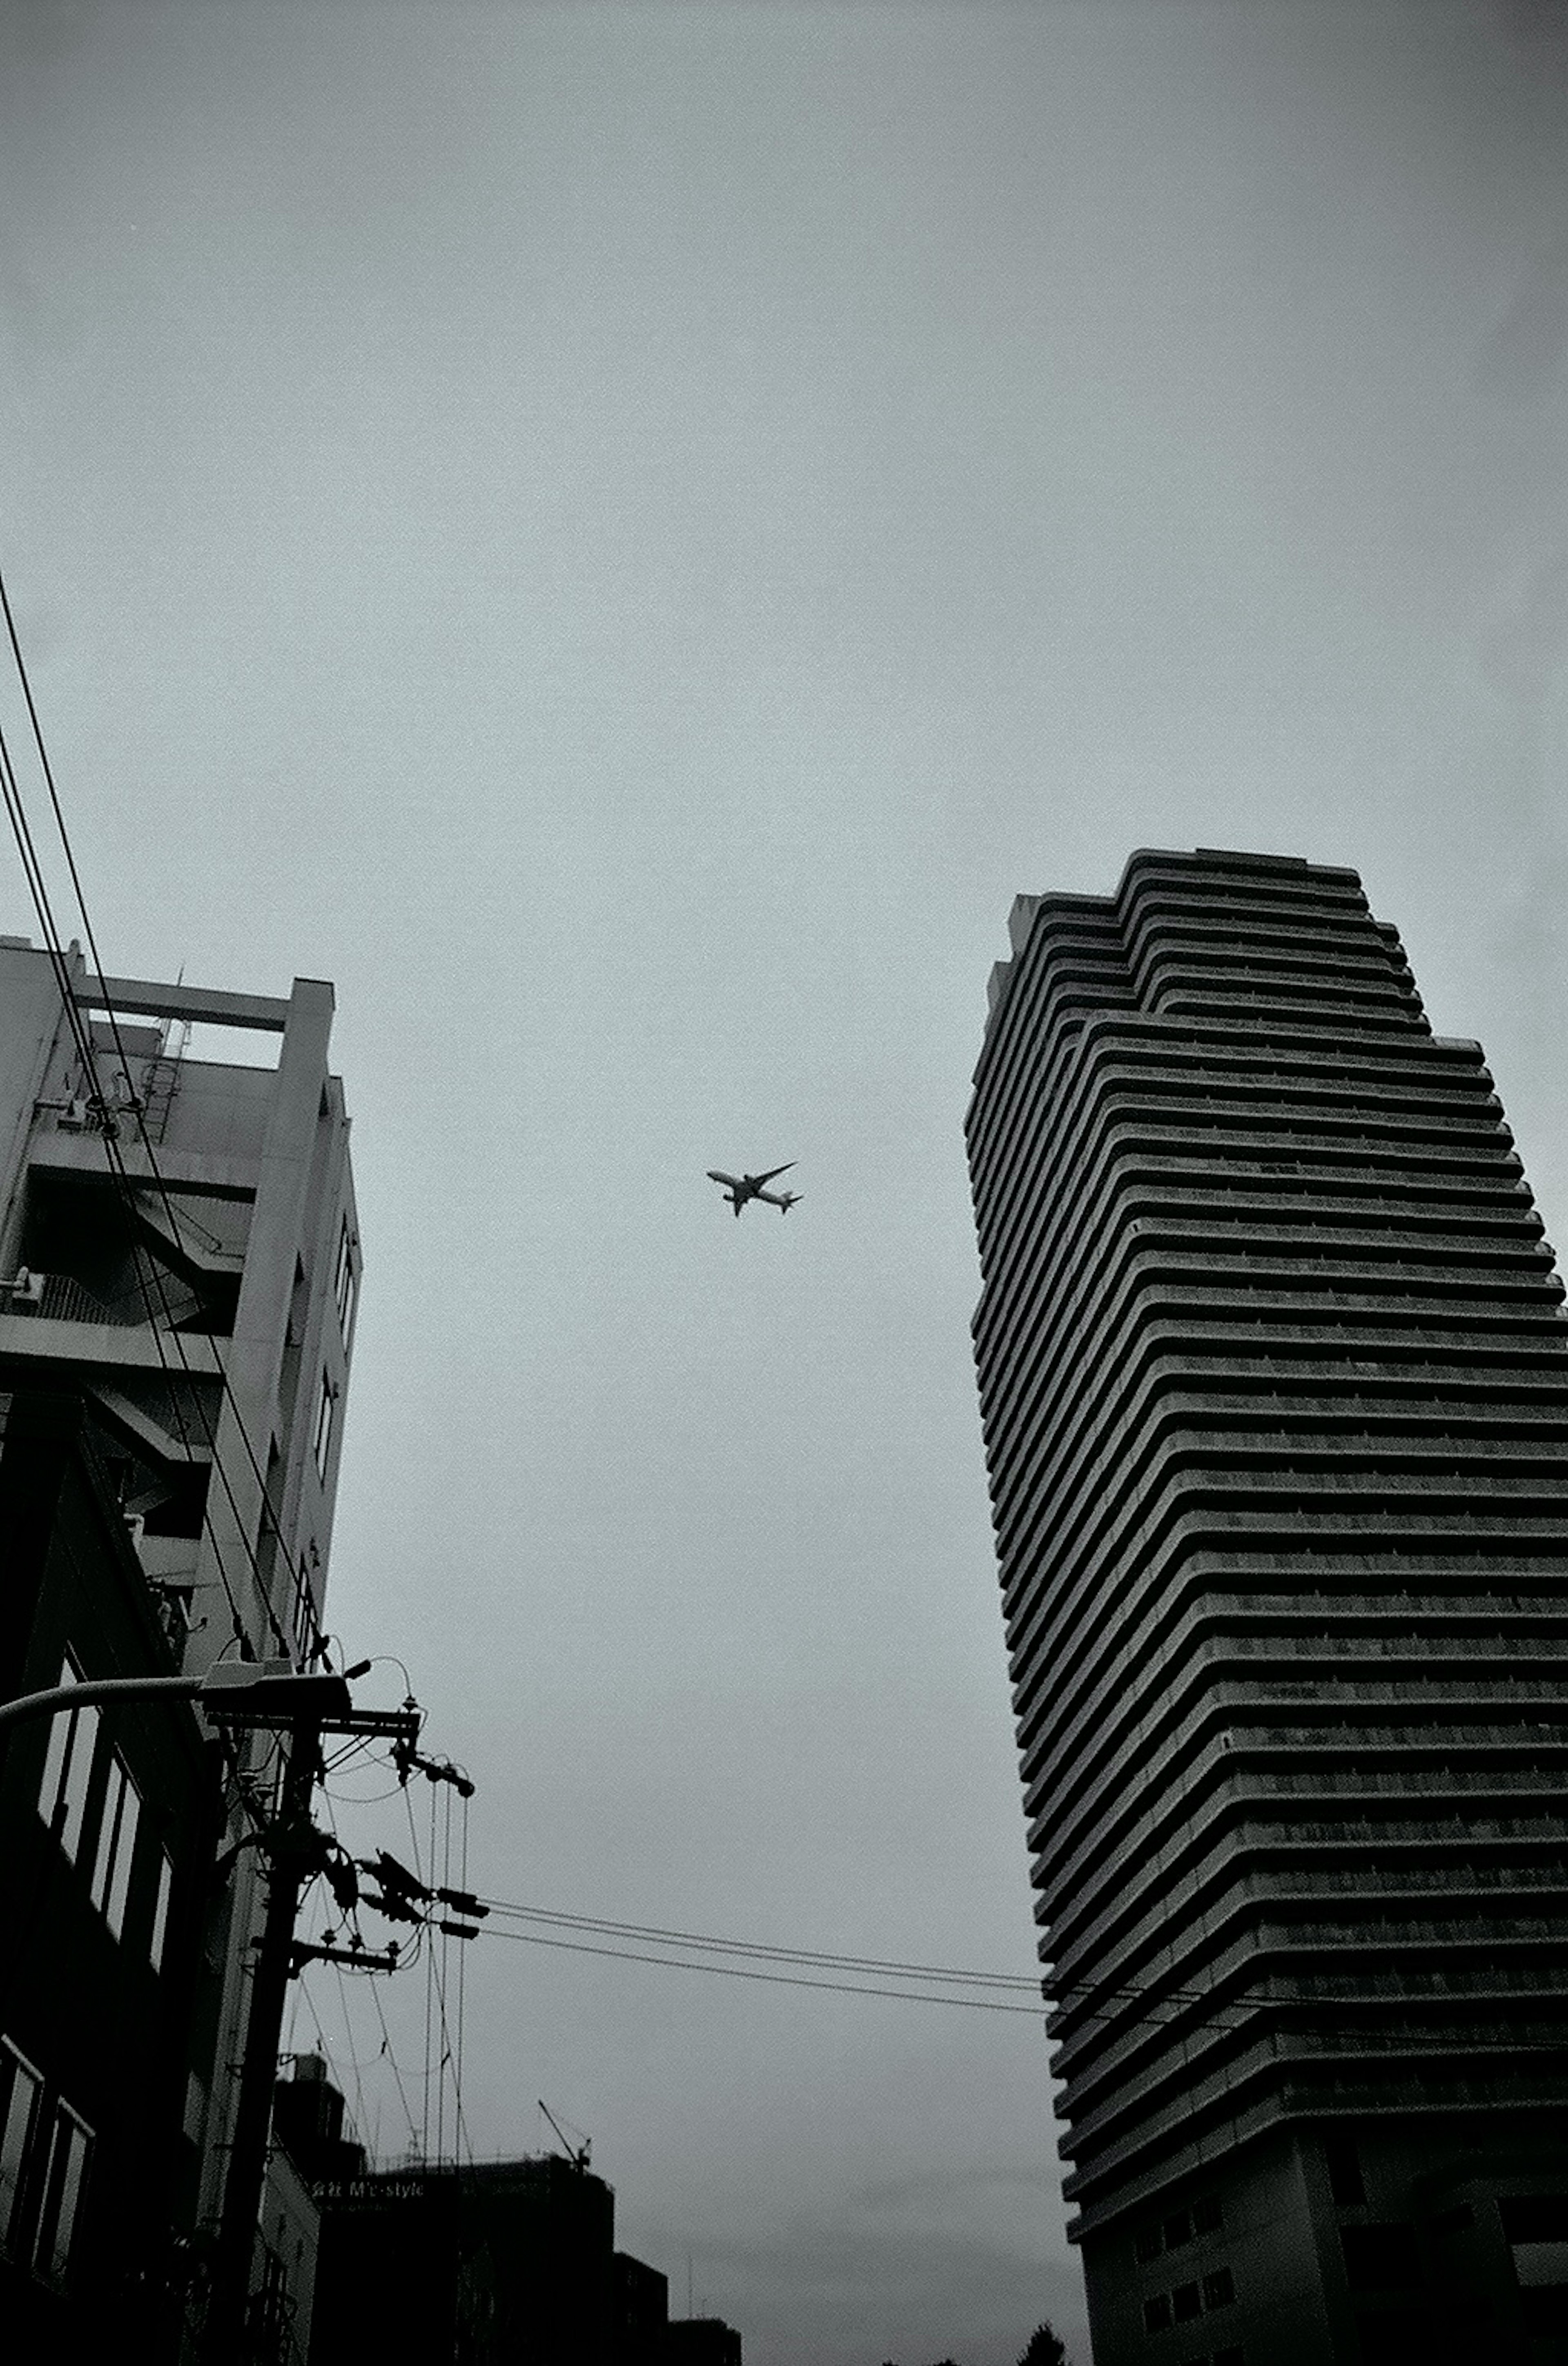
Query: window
[1157,2314]
[1148,2246]
[273,2296]
[303,1623]
[1545,2310]
[1219,2289]
[161,1911]
[323,1443]
[44,2155]
[1177,2230]
[299,1624]
[1395,2338]
[1378,2258]
[1536,2228]
[1208,2215]
[1186,2302]
[1343,2171]
[20,2090]
[68,1768]
[54,1757]
[1535,2218]
[346,1281]
[117,1845]
[67,2171]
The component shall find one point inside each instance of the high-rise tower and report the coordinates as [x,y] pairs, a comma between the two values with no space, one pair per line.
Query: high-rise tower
[1274,1377]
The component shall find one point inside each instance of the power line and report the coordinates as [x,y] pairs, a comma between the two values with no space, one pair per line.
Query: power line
[749,1972]
[33,872]
[83,1038]
[815,1957]
[1093,2003]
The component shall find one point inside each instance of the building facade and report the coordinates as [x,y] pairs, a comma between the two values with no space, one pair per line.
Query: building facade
[109,1828]
[179,1253]
[1274,1382]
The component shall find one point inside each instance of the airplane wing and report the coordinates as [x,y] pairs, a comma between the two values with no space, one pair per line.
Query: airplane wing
[730,1182]
[774,1170]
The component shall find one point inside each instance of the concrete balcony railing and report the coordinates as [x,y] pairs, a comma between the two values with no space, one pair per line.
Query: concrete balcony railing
[61,1298]
[58,1298]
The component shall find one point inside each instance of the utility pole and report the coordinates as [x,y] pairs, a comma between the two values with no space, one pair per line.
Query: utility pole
[295,1850]
[251,1696]
[291,1855]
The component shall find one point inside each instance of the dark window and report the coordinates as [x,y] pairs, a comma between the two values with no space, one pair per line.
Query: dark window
[1344,2170]
[1219,2289]
[303,1623]
[68,1768]
[323,1439]
[1454,2220]
[21,2091]
[1186,2302]
[1148,2244]
[1378,2258]
[44,2153]
[1157,2314]
[1545,2310]
[161,1911]
[1535,2218]
[117,1845]
[1208,2215]
[1177,2230]
[1233,2354]
[69,2152]
[346,1281]
[1401,2339]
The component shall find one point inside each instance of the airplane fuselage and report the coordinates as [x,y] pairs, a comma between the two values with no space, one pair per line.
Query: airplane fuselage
[740,1190]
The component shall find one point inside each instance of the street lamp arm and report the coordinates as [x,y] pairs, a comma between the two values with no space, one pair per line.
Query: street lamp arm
[235,1691]
[97,1689]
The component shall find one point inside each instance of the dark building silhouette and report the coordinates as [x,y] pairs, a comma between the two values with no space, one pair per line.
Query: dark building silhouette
[641,2312]
[701,2341]
[492,2264]
[109,1820]
[309,2118]
[1274,1377]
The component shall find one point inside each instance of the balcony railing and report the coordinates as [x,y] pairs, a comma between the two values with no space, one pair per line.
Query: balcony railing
[60,1298]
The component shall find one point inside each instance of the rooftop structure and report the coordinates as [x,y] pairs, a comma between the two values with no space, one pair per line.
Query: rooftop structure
[179,1234]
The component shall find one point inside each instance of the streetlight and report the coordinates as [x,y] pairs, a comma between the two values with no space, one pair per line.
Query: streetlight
[260,1692]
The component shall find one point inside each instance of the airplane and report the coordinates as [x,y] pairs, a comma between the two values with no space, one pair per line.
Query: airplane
[739,1189]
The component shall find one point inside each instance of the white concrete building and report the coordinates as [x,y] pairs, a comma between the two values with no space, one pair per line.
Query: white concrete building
[178,1239]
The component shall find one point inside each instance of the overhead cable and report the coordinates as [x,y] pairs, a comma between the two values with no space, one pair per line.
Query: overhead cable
[82,1037]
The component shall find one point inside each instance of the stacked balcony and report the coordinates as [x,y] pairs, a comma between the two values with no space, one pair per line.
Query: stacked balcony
[1274,1376]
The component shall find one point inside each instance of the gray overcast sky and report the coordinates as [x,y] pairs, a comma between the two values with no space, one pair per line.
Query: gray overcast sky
[623,536]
